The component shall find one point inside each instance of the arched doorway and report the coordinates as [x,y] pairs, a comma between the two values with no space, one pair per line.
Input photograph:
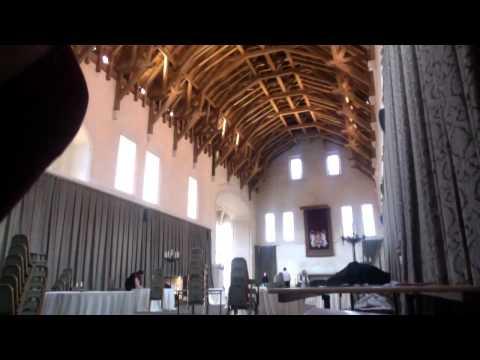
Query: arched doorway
[75,161]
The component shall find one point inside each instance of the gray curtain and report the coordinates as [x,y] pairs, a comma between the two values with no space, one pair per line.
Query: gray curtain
[265,261]
[101,237]
[432,163]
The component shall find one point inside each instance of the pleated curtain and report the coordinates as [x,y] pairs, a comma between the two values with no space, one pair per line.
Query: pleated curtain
[432,163]
[102,238]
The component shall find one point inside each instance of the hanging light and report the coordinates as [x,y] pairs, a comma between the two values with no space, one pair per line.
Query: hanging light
[224,126]
[351,120]
[237,140]
[171,113]
[355,126]
[94,48]
[143,91]
[367,102]
[351,107]
[347,100]
[105,59]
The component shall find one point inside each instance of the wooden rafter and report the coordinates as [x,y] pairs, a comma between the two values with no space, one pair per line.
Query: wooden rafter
[270,97]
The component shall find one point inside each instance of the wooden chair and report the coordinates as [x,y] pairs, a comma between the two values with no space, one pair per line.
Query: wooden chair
[15,271]
[7,304]
[20,262]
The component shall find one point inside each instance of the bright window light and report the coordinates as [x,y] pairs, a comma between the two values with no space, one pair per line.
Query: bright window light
[296,169]
[347,220]
[288,229]
[192,198]
[151,178]
[368,220]
[270,227]
[223,250]
[125,171]
[333,165]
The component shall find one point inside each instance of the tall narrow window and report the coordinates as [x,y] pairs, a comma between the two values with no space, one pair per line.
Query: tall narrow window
[368,220]
[125,171]
[347,220]
[151,178]
[192,198]
[288,229]
[270,227]
[296,169]
[333,165]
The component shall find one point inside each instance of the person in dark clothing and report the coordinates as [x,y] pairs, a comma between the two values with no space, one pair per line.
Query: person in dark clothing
[265,279]
[134,281]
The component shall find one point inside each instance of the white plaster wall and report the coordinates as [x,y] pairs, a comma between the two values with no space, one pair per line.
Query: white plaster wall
[278,194]
[104,128]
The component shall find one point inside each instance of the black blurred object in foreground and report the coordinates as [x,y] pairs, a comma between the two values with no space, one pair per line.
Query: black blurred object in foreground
[43,97]
[357,273]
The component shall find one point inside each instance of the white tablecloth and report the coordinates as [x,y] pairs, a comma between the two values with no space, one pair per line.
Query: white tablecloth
[168,302]
[269,305]
[96,302]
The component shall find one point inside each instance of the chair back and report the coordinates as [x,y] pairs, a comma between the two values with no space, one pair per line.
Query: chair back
[239,280]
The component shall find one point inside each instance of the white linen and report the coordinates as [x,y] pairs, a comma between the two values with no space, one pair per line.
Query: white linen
[269,305]
[168,302]
[96,302]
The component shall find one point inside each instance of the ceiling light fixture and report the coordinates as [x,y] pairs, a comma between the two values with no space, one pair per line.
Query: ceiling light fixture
[237,140]
[143,91]
[347,100]
[351,107]
[171,113]
[105,59]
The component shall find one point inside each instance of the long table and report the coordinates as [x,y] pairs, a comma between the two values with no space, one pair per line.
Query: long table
[96,302]
[464,292]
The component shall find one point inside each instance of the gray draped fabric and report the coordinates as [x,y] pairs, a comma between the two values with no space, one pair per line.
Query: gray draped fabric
[101,237]
[265,261]
[432,163]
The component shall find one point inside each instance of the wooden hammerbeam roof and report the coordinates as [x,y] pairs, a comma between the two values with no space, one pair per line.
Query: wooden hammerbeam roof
[244,105]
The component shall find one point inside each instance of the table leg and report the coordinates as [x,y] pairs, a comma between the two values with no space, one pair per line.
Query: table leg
[396,304]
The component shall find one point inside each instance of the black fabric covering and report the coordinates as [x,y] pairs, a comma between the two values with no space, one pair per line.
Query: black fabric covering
[42,109]
[265,261]
[238,292]
[357,273]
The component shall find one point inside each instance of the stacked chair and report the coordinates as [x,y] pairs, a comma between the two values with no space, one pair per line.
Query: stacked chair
[33,295]
[243,293]
[196,281]
[16,277]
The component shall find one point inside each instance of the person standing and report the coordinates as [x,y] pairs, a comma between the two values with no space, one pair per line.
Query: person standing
[286,277]
[265,279]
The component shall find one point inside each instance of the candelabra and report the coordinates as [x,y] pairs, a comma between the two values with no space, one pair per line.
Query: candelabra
[171,255]
[353,240]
